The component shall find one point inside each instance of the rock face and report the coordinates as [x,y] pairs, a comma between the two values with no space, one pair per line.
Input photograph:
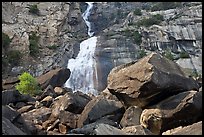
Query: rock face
[194,129]
[184,107]
[55,78]
[151,78]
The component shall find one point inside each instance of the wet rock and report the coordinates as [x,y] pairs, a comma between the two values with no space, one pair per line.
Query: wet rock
[131,117]
[98,108]
[55,78]
[137,130]
[148,81]
[179,110]
[10,129]
[194,129]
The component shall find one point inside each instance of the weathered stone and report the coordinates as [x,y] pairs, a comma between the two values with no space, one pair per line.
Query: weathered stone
[47,101]
[25,108]
[62,128]
[98,108]
[59,91]
[54,133]
[55,78]
[9,113]
[20,105]
[148,81]
[68,118]
[10,129]
[105,129]
[49,91]
[179,110]
[131,117]
[194,129]
[137,130]
[53,125]
[10,83]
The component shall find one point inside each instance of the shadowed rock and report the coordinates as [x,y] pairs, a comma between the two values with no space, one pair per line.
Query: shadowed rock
[148,81]
[179,110]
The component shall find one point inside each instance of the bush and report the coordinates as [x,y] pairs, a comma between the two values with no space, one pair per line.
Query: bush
[5,40]
[141,53]
[137,12]
[155,19]
[165,6]
[28,85]
[184,54]
[137,37]
[33,47]
[34,9]
[168,55]
[14,57]
[53,47]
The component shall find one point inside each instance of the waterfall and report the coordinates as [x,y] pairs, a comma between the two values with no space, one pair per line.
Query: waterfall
[82,68]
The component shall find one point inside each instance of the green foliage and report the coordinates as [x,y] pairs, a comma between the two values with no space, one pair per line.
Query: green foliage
[141,53]
[53,47]
[5,40]
[165,6]
[134,34]
[184,54]
[147,22]
[28,84]
[14,57]
[137,12]
[33,47]
[168,55]
[34,9]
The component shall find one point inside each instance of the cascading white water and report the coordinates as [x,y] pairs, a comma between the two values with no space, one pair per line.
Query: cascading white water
[83,67]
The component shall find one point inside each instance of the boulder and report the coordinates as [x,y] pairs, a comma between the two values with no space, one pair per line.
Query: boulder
[9,113]
[97,108]
[10,129]
[47,101]
[148,81]
[59,91]
[10,83]
[105,129]
[137,130]
[49,91]
[131,117]
[55,78]
[62,128]
[25,108]
[194,129]
[179,110]
[13,96]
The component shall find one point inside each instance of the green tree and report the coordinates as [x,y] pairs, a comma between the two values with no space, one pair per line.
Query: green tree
[33,47]
[5,40]
[34,9]
[28,84]
[137,12]
[141,53]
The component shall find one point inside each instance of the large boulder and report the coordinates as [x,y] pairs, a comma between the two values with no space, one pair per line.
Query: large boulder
[97,108]
[179,110]
[9,113]
[148,81]
[10,83]
[194,129]
[55,78]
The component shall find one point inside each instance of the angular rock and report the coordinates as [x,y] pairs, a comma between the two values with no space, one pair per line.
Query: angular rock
[131,117]
[49,91]
[69,119]
[194,129]
[9,113]
[62,128]
[25,108]
[10,129]
[137,130]
[98,108]
[20,105]
[53,125]
[55,78]
[10,83]
[179,110]
[13,96]
[59,91]
[47,101]
[148,81]
[105,129]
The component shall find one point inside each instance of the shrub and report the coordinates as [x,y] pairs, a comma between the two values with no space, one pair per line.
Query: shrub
[34,9]
[147,22]
[53,47]
[137,12]
[165,6]
[5,40]
[141,53]
[33,47]
[168,55]
[137,37]
[28,84]
[184,54]
[14,57]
